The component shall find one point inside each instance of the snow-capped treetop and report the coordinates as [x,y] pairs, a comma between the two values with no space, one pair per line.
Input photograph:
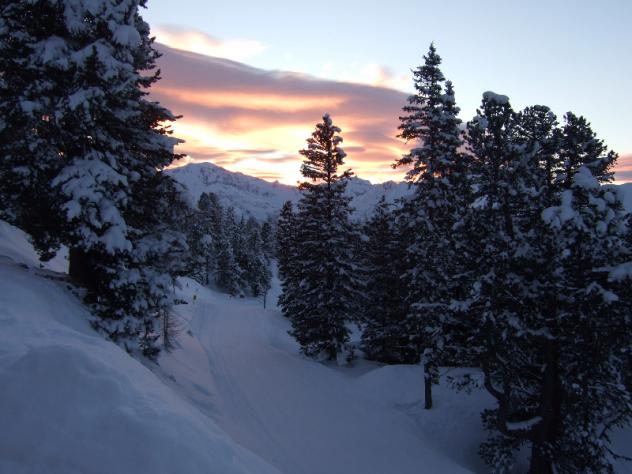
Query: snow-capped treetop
[493,97]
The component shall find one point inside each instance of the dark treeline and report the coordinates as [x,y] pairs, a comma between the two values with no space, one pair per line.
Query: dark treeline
[509,257]
[229,253]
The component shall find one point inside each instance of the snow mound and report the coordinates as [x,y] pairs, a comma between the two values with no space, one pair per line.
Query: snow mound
[72,402]
[15,247]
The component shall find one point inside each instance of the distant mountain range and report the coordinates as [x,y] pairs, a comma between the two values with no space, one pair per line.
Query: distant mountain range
[255,197]
[261,199]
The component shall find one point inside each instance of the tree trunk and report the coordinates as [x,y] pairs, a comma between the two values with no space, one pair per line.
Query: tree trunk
[540,462]
[427,387]
[550,411]
[81,268]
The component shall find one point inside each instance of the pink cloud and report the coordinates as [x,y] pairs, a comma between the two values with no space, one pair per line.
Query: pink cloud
[255,121]
[246,118]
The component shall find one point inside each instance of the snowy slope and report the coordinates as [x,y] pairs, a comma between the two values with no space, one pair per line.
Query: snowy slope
[235,396]
[71,402]
[239,363]
[259,198]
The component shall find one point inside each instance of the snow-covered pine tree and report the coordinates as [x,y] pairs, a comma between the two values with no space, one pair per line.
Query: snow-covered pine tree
[201,227]
[580,147]
[78,133]
[385,336]
[30,86]
[268,239]
[285,239]
[583,394]
[228,272]
[257,276]
[437,171]
[325,297]
[544,317]
[286,252]
[501,254]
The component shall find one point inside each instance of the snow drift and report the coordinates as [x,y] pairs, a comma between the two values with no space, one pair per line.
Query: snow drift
[72,402]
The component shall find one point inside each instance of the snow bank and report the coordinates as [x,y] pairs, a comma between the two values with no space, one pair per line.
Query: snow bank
[72,402]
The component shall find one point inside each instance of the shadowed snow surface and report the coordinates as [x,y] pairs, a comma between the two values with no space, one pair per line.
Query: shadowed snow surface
[235,396]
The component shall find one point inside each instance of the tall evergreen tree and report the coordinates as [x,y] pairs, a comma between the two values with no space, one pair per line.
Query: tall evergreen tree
[385,336]
[202,230]
[287,254]
[79,135]
[325,297]
[541,303]
[228,274]
[286,239]
[437,172]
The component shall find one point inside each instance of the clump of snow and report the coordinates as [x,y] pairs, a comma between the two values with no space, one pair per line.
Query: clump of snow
[15,248]
[500,99]
[583,178]
[524,425]
[126,35]
[621,272]
[555,216]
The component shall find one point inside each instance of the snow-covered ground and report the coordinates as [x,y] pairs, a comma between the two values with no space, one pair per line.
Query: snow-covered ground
[235,396]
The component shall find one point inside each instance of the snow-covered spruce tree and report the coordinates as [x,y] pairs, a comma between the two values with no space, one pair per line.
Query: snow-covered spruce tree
[543,319]
[437,172]
[385,336]
[268,238]
[257,272]
[286,252]
[285,238]
[74,82]
[228,272]
[324,298]
[201,237]
[588,352]
[31,82]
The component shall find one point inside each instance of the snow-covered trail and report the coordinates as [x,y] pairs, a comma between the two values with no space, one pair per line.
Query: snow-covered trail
[73,402]
[300,416]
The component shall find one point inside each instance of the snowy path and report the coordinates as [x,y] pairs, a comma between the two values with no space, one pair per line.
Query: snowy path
[300,416]
[70,401]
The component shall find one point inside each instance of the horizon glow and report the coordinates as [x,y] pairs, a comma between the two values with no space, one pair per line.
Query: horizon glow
[567,55]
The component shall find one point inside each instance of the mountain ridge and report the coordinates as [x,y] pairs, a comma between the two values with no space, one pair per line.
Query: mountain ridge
[261,199]
[251,196]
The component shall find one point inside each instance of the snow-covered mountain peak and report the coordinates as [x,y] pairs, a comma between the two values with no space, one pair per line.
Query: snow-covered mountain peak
[251,196]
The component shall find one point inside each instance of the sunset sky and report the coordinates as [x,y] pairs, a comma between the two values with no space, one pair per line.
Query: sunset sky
[252,78]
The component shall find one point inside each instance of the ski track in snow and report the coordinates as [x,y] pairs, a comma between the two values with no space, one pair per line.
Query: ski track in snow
[301,416]
[70,401]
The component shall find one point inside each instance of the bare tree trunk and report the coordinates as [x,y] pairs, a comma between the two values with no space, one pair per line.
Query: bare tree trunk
[81,268]
[550,411]
[427,387]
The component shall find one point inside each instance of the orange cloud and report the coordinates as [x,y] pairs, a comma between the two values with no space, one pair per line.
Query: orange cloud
[254,121]
[271,102]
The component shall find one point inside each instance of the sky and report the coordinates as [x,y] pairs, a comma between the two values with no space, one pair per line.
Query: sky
[274,68]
